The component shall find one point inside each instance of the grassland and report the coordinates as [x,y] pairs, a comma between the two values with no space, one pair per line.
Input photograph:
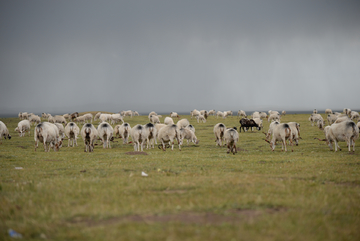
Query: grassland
[199,193]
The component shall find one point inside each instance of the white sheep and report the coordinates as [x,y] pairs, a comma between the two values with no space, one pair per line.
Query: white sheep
[274,117]
[127,113]
[347,111]
[150,132]
[72,131]
[66,116]
[60,119]
[281,132]
[35,119]
[315,111]
[259,122]
[221,114]
[344,131]
[315,118]
[263,115]
[191,127]
[138,136]
[255,114]
[273,112]
[4,132]
[80,119]
[105,132]
[295,131]
[283,112]
[97,116]
[88,117]
[168,121]
[211,112]
[174,114]
[328,111]
[61,130]
[189,135]
[104,117]
[272,126]
[23,127]
[135,113]
[331,118]
[241,113]
[354,115]
[48,134]
[123,131]
[154,119]
[115,118]
[200,118]
[219,130]
[89,135]
[231,137]
[194,113]
[168,134]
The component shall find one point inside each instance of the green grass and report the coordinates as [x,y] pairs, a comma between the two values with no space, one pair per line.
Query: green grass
[199,193]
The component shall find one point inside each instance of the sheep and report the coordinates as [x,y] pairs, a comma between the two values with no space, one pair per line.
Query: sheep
[283,112]
[228,112]
[88,116]
[24,115]
[61,130]
[211,112]
[23,127]
[150,132]
[116,118]
[200,118]
[194,113]
[295,131]
[246,123]
[45,116]
[255,114]
[105,132]
[104,117]
[259,122]
[135,113]
[271,129]
[354,115]
[273,112]
[80,119]
[343,131]
[72,131]
[4,132]
[263,115]
[20,115]
[315,118]
[241,113]
[138,136]
[154,119]
[281,132]
[127,113]
[331,118]
[48,134]
[89,135]
[274,117]
[74,115]
[189,135]
[182,123]
[315,111]
[191,127]
[51,119]
[66,116]
[123,131]
[321,124]
[168,121]
[328,111]
[219,130]
[342,119]
[35,119]
[96,117]
[347,111]
[231,137]
[174,114]
[152,113]
[60,119]
[221,114]
[168,134]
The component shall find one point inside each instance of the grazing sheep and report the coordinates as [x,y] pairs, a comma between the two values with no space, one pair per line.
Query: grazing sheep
[295,131]
[158,127]
[34,119]
[23,127]
[283,112]
[344,131]
[20,115]
[182,123]
[315,111]
[51,119]
[315,118]
[219,130]
[273,112]
[263,115]
[168,121]
[74,115]
[174,114]
[89,135]
[150,132]
[105,132]
[127,113]
[191,127]
[200,118]
[189,135]
[255,114]
[115,118]
[152,113]
[194,113]
[241,113]
[347,111]
[138,136]
[4,132]
[231,137]
[247,123]
[104,117]
[328,111]
[271,129]
[342,119]
[211,112]
[259,122]
[48,134]
[123,131]
[66,116]
[72,131]
[168,134]
[221,114]
[281,132]
[154,119]
[88,117]
[97,116]
[24,116]
[321,124]
[60,119]
[80,119]
[228,113]
[135,113]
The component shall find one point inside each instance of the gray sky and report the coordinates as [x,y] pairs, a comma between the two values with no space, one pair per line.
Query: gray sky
[65,56]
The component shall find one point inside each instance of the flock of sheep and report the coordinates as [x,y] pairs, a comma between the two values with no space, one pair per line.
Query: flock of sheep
[52,132]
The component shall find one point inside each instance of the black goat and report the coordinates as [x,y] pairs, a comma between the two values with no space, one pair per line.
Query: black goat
[248,123]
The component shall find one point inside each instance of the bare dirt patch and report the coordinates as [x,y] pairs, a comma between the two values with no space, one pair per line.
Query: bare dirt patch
[136,153]
[233,217]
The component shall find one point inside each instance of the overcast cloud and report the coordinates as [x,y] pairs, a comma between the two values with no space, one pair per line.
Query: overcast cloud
[65,56]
